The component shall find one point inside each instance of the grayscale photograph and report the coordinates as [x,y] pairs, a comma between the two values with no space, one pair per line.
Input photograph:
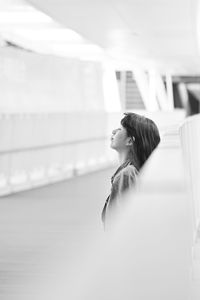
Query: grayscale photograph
[99,150]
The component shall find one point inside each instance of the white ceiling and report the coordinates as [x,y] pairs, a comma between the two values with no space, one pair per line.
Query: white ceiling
[158,33]
[25,27]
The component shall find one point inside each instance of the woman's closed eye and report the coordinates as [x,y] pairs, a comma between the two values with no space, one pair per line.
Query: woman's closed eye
[115,130]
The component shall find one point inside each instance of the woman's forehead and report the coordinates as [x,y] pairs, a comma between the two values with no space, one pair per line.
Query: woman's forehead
[123,129]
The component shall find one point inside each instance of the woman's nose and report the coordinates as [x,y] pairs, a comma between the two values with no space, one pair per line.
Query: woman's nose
[114,131]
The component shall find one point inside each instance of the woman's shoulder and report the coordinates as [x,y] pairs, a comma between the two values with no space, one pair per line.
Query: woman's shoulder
[126,177]
[128,170]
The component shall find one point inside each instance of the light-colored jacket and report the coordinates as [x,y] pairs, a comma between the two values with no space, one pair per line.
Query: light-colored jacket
[124,178]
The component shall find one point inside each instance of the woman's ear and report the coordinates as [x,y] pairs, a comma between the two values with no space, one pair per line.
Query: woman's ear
[130,141]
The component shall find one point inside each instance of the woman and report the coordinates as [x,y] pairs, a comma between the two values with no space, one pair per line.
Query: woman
[134,141]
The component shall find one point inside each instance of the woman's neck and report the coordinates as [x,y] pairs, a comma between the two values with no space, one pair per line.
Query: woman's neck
[123,156]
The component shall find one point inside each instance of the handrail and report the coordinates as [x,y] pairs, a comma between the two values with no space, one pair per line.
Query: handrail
[53,145]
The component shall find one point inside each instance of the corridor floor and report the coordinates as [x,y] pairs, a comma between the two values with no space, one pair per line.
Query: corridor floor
[39,225]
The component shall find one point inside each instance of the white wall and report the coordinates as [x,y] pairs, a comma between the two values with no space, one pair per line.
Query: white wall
[34,82]
[190,139]
[40,148]
[53,121]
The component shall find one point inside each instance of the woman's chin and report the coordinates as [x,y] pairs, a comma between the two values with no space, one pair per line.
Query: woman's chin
[112,145]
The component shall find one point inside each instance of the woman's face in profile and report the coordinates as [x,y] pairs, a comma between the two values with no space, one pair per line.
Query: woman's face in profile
[119,138]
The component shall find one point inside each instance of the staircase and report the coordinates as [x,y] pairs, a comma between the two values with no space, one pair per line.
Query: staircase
[133,98]
[129,93]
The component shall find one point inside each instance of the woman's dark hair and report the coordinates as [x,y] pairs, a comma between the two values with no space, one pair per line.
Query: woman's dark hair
[146,136]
